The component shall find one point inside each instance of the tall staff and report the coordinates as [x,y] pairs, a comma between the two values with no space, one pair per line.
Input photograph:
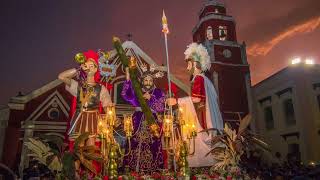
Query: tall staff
[165,30]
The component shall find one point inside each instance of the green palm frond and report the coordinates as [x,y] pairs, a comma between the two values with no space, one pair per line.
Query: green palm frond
[90,148]
[39,150]
[88,164]
[68,162]
[244,123]
[43,153]
[57,141]
[93,156]
[81,140]
[55,164]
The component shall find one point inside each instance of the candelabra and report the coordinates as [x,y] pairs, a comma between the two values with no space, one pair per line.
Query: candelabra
[128,129]
[188,129]
[185,137]
[106,125]
[168,130]
[188,132]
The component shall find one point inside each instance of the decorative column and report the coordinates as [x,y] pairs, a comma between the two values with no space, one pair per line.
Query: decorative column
[28,128]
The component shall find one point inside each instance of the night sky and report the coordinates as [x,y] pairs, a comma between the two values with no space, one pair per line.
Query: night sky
[39,38]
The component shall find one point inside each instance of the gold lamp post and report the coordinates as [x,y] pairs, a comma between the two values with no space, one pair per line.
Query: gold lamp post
[188,132]
[168,130]
[128,126]
[128,129]
[109,151]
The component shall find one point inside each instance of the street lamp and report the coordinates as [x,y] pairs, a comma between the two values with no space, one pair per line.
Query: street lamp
[296,60]
[309,61]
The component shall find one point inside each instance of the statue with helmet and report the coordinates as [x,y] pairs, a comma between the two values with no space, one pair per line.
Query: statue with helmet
[91,98]
[202,104]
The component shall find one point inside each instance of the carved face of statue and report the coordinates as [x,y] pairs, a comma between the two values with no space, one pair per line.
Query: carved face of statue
[193,68]
[89,67]
[147,82]
[190,67]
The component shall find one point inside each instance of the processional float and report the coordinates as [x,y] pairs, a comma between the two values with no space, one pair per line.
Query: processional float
[178,128]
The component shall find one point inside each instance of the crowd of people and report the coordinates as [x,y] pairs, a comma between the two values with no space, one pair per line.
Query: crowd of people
[292,168]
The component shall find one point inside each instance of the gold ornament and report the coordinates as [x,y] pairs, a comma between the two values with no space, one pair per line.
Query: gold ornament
[112,163]
[128,126]
[155,130]
[106,54]
[167,125]
[115,39]
[80,58]
[182,159]
[132,63]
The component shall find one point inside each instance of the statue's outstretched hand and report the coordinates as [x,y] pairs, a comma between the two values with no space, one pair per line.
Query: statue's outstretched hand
[171,101]
[147,95]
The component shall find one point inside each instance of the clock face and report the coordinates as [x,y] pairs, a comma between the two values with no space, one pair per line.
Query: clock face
[227,53]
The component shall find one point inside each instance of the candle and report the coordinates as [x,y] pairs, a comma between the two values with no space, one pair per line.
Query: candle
[167,125]
[111,115]
[128,126]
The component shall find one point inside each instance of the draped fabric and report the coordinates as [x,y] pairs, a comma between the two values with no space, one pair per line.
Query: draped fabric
[199,159]
[146,150]
[212,115]
[203,89]
[212,104]
[198,91]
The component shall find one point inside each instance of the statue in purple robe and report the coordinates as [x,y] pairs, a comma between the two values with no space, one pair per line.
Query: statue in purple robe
[146,154]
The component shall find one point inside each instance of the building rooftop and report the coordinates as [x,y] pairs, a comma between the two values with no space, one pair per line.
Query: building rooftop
[288,69]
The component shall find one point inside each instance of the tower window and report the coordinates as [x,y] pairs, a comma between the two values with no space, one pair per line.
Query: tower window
[216,10]
[289,112]
[209,33]
[268,117]
[223,32]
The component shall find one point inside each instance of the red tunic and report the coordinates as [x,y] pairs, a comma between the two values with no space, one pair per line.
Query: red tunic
[198,91]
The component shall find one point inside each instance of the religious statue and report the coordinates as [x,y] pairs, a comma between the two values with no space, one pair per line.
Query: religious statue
[203,103]
[146,154]
[90,94]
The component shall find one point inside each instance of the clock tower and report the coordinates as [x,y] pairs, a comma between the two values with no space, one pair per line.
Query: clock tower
[230,70]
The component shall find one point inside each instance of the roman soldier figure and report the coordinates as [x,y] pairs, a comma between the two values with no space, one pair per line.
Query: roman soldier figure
[203,93]
[90,93]
[203,102]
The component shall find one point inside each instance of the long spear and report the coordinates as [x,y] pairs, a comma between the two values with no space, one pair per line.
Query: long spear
[165,30]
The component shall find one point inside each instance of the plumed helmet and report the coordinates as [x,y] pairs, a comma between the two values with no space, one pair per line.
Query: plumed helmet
[198,53]
[90,54]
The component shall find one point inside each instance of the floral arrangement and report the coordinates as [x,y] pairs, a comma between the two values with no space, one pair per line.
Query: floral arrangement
[61,162]
[229,146]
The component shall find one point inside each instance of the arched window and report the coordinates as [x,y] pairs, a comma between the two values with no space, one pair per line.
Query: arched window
[209,33]
[223,32]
